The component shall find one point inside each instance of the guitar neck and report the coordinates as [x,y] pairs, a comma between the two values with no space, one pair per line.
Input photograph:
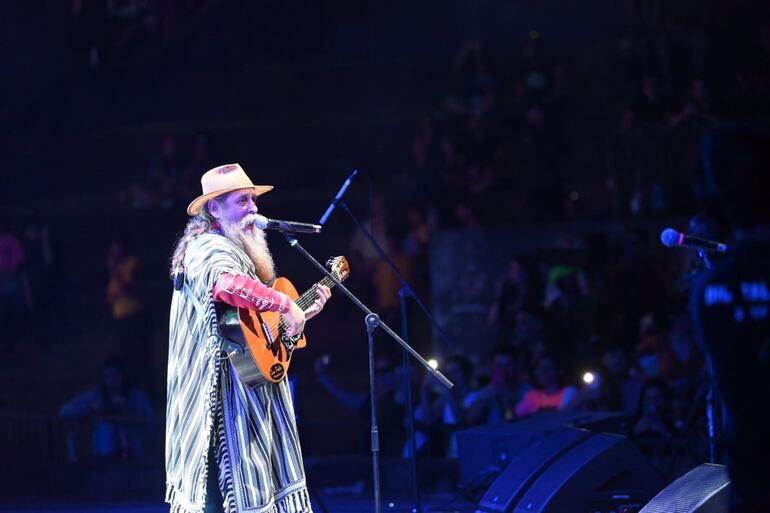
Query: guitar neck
[307,297]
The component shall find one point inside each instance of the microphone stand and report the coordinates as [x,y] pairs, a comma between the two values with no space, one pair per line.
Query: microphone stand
[710,393]
[704,395]
[711,398]
[404,293]
[372,321]
[712,415]
[407,372]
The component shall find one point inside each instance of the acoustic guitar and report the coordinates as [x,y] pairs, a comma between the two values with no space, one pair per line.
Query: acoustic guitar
[257,342]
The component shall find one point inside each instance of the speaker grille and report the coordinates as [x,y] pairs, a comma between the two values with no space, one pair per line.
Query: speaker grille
[691,492]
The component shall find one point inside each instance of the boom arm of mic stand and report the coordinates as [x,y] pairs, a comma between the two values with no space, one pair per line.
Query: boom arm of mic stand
[404,284]
[293,242]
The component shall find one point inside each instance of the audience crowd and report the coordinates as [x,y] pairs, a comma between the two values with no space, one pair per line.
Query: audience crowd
[499,147]
[493,151]
[104,32]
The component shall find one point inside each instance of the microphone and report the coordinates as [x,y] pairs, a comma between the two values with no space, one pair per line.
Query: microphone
[338,197]
[263,223]
[671,238]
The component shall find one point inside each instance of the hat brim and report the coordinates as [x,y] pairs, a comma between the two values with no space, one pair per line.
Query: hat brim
[195,205]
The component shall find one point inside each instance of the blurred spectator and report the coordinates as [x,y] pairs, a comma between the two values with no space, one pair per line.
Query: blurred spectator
[653,426]
[651,108]
[118,412]
[752,80]
[549,392]
[652,350]
[203,159]
[387,286]
[465,215]
[509,382]
[44,299]
[474,79]
[158,188]
[638,286]
[363,254]
[414,249]
[687,357]
[667,353]
[529,335]
[131,321]
[414,244]
[384,284]
[645,12]
[106,31]
[533,71]
[132,24]
[567,326]
[697,111]
[115,31]
[428,155]
[15,296]
[620,386]
[90,29]
[442,410]
[625,163]
[390,236]
[540,171]
[390,392]
[518,299]
[477,145]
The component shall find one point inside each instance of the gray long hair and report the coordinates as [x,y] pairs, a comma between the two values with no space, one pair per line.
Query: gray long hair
[195,226]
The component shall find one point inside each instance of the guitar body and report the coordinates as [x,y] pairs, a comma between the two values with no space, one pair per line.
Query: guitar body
[257,347]
[260,357]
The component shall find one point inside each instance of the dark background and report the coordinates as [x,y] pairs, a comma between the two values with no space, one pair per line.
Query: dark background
[302,93]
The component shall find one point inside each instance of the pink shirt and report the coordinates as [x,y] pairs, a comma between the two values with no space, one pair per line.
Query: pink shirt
[536,400]
[242,291]
[11,254]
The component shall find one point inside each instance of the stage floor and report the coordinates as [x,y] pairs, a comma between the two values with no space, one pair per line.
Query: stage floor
[443,503]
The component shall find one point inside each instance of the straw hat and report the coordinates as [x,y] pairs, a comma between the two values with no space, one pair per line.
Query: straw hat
[221,180]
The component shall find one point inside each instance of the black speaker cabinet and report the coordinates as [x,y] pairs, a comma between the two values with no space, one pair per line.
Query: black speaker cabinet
[704,489]
[573,470]
[493,446]
[526,467]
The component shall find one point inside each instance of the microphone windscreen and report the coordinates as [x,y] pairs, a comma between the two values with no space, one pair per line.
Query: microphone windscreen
[669,237]
[260,222]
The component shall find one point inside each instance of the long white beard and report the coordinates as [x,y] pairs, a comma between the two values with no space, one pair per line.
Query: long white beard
[253,241]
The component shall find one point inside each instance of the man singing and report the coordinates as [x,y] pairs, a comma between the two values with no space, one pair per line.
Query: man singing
[229,447]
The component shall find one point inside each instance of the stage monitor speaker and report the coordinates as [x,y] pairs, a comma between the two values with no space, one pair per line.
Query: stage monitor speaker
[575,471]
[526,466]
[704,489]
[484,448]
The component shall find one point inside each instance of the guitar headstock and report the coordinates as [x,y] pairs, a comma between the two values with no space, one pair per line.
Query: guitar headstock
[339,267]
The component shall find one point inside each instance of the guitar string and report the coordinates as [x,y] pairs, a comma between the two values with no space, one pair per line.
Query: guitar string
[303,302]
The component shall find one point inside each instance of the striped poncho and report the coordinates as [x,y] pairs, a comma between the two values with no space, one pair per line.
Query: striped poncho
[256,442]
